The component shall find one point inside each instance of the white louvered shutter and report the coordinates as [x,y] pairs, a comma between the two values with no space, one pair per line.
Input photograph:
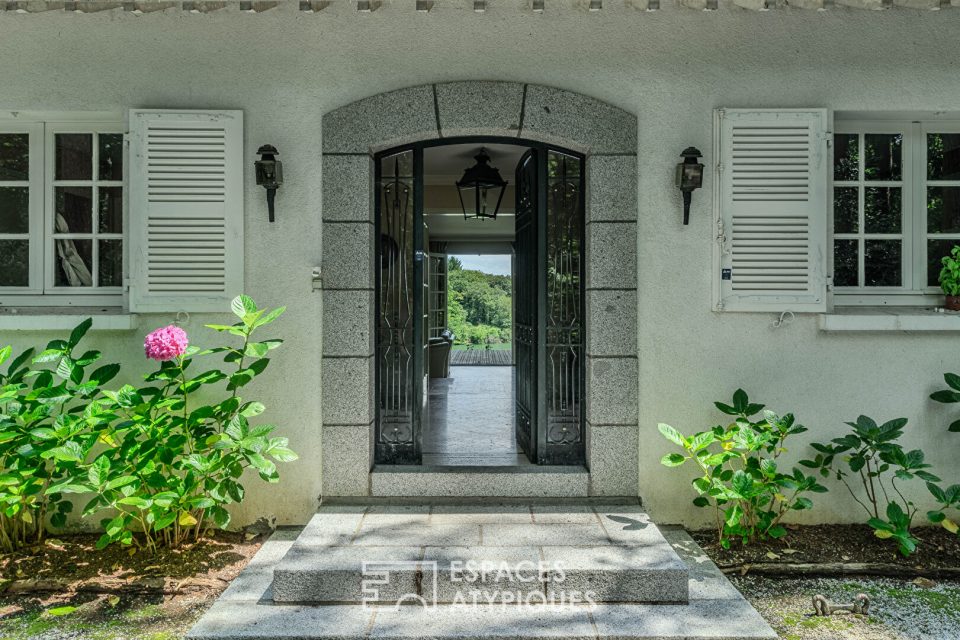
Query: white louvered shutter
[186,210]
[772,202]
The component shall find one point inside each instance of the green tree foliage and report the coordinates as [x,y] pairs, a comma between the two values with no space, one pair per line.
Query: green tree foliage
[479,310]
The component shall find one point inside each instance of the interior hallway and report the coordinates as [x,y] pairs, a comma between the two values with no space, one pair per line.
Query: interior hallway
[471,419]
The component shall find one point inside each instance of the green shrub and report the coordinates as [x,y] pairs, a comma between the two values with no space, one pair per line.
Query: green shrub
[740,479]
[48,425]
[950,273]
[171,463]
[871,457]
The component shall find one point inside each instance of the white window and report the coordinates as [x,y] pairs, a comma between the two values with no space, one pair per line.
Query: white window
[62,220]
[895,210]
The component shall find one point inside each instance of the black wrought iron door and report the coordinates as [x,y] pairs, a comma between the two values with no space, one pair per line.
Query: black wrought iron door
[561,311]
[525,314]
[399,276]
[549,328]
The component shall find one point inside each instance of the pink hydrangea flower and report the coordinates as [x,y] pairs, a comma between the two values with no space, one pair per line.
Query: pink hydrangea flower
[166,343]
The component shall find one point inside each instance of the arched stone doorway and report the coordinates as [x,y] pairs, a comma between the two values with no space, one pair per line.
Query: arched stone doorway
[607,136]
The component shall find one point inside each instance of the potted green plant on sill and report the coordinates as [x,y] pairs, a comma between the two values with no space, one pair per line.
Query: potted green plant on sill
[950,279]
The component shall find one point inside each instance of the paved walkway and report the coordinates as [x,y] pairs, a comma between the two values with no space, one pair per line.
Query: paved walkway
[647,585]
[481,357]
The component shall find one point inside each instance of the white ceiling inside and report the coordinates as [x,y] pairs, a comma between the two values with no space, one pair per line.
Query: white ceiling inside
[442,167]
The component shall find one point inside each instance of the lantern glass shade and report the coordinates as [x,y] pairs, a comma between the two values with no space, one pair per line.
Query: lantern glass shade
[689,176]
[269,173]
[481,189]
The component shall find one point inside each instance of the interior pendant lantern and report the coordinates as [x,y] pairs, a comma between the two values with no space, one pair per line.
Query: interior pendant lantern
[481,189]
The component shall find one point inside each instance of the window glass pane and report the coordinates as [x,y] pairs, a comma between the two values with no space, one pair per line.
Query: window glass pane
[74,209]
[14,210]
[846,210]
[73,263]
[14,156]
[846,156]
[14,263]
[882,263]
[943,209]
[881,209]
[111,263]
[943,156]
[111,156]
[882,151]
[111,210]
[74,156]
[845,263]
[398,166]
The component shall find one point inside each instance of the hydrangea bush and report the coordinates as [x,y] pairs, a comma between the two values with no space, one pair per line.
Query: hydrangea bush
[49,420]
[175,456]
[164,460]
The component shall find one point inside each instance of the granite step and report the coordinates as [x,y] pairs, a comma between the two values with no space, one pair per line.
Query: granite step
[530,554]
[716,611]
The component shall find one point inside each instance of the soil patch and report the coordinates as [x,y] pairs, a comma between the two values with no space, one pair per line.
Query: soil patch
[66,588]
[73,564]
[847,544]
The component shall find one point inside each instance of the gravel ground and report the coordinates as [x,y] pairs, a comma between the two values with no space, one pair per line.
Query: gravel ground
[899,609]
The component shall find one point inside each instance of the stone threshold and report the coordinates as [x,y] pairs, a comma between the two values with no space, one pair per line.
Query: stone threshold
[531,481]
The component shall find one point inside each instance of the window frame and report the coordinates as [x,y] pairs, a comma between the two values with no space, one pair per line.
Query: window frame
[41,290]
[914,290]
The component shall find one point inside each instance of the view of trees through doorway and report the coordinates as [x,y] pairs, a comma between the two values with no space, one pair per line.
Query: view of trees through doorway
[480,308]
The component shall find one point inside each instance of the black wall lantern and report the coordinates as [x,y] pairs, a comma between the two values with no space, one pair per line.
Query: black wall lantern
[689,177]
[269,173]
[481,189]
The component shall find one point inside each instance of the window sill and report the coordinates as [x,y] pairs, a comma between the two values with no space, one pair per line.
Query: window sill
[890,319]
[57,319]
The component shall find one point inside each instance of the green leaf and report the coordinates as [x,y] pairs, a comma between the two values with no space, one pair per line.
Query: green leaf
[954,426]
[953,380]
[270,317]
[252,409]
[671,434]
[79,331]
[99,471]
[945,396]
[5,353]
[256,349]
[776,532]
[186,519]
[122,481]
[48,355]
[164,521]
[60,611]
[701,501]
[242,306]
[282,454]
[69,451]
[742,483]
[672,460]
[105,374]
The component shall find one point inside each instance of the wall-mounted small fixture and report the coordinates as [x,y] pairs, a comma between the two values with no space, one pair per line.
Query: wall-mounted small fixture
[689,177]
[269,173]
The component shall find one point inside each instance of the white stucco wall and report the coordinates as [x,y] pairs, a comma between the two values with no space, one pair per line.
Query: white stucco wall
[285,69]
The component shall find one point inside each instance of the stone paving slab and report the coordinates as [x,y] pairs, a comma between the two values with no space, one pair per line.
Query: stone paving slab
[481,514]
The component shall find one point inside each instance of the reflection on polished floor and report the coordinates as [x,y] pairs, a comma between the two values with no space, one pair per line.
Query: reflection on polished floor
[471,419]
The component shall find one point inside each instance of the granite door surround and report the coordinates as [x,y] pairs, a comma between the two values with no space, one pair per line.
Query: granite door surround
[605,134]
